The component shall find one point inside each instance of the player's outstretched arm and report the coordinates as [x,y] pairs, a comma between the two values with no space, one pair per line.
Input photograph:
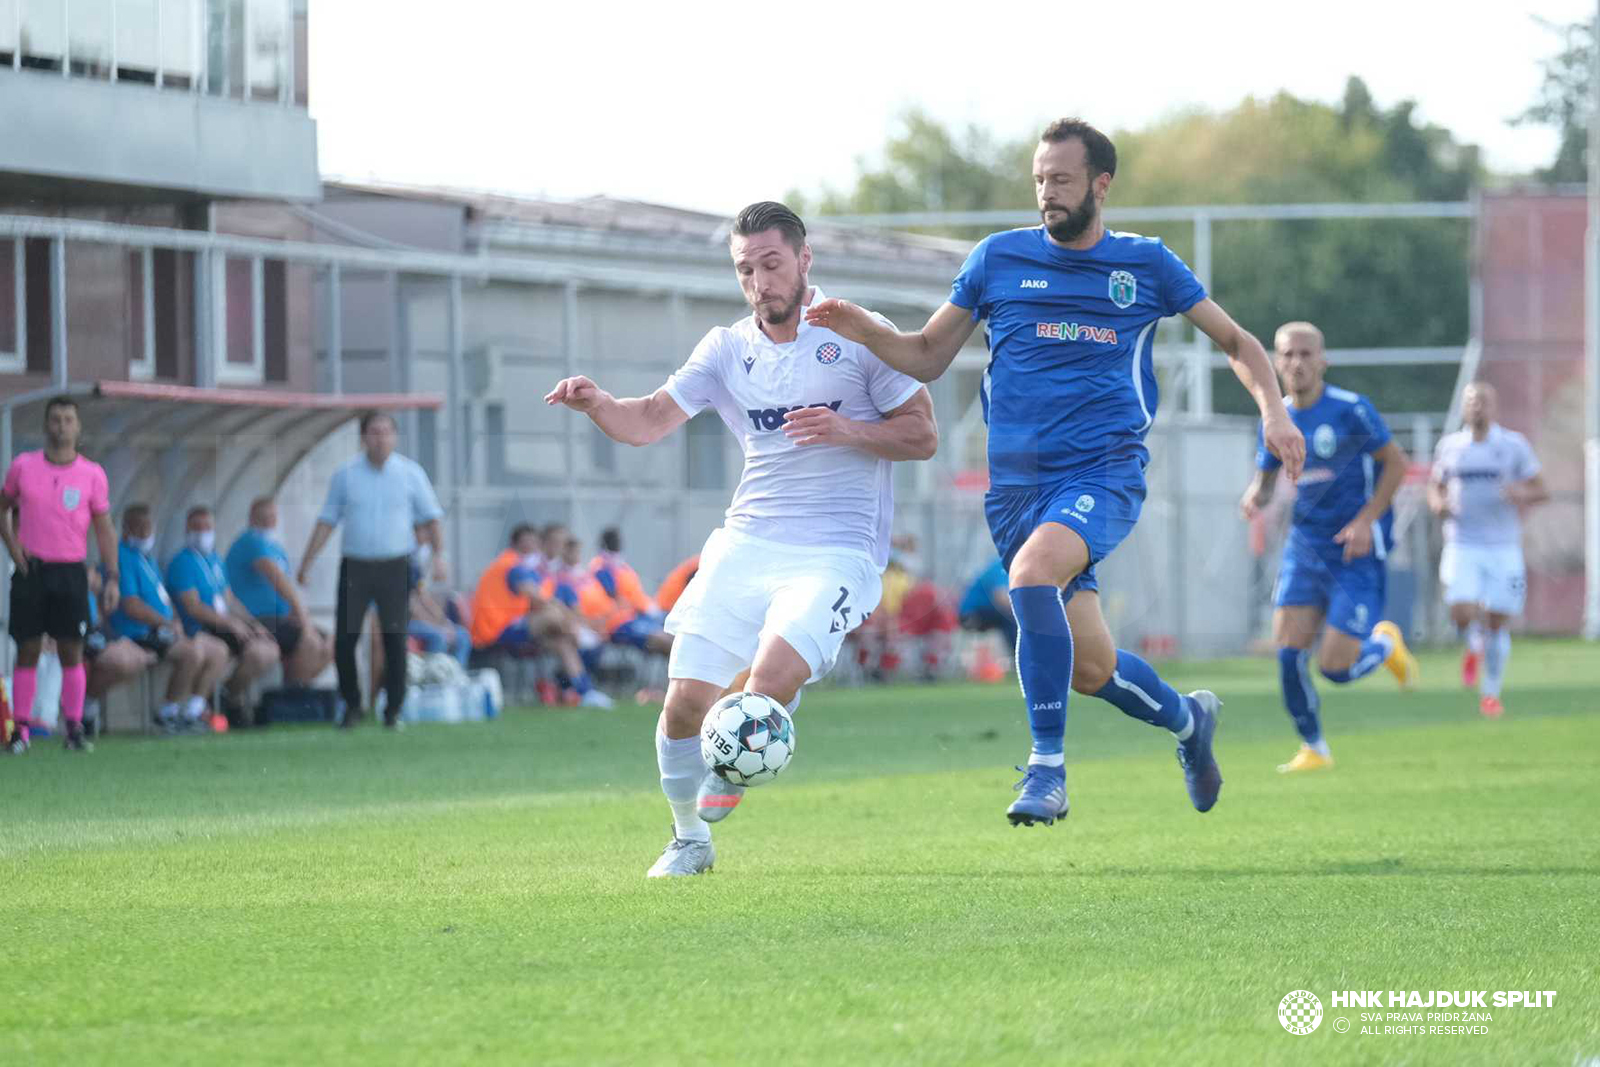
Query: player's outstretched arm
[924,355]
[1249,362]
[642,420]
[906,433]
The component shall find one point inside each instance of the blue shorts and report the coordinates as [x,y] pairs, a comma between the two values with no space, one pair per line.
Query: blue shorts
[517,635]
[1100,506]
[636,631]
[1349,594]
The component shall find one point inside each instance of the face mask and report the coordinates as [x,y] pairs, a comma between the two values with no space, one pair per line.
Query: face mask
[145,545]
[533,560]
[203,540]
[271,534]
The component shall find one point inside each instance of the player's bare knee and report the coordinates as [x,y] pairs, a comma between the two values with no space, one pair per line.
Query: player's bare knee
[1091,673]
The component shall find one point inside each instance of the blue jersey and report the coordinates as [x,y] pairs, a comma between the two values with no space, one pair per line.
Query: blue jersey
[258,595]
[1070,387]
[1342,430]
[980,594]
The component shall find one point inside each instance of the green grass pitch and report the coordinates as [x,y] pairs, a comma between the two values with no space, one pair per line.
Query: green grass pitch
[476,894]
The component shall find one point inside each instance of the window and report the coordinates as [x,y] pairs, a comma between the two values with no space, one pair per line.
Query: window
[89,38]
[240,315]
[274,320]
[171,300]
[8,32]
[44,34]
[269,49]
[11,275]
[35,316]
[138,43]
[180,43]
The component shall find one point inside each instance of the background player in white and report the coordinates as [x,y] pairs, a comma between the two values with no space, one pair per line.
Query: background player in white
[1482,475]
[796,564]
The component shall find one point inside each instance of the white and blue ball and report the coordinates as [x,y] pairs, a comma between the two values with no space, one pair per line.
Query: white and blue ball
[747,738]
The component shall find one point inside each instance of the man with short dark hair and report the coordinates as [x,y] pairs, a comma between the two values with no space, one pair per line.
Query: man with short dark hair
[798,562]
[57,494]
[387,505]
[1069,395]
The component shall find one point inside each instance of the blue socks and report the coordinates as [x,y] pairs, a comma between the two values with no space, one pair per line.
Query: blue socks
[1299,694]
[1374,650]
[1137,690]
[1044,666]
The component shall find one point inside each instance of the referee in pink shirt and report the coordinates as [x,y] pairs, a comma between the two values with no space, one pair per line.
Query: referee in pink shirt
[55,494]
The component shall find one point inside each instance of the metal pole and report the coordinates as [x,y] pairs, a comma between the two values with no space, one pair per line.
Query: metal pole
[1200,351]
[335,310]
[58,313]
[1591,392]
[457,437]
[569,345]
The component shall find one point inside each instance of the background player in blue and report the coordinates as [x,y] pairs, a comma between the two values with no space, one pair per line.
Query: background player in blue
[1069,395]
[1333,561]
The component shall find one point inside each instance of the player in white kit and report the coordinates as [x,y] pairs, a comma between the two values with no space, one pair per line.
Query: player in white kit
[796,564]
[1483,475]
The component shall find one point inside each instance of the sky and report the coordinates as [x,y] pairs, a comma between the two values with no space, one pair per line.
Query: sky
[712,105]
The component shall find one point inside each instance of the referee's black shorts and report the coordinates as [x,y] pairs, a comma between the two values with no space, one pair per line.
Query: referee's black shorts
[51,599]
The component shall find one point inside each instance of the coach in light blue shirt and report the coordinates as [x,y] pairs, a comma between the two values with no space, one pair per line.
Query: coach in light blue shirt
[387,505]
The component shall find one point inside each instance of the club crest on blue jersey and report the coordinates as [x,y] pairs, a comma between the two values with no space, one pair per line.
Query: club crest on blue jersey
[827,353]
[1084,503]
[1124,288]
[1324,441]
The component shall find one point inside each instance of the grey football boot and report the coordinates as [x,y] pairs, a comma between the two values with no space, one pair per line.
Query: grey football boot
[682,858]
[718,797]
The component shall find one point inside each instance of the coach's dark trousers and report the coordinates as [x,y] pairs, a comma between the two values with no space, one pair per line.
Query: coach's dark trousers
[363,583]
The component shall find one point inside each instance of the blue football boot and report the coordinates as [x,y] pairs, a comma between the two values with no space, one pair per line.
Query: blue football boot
[1201,774]
[1044,796]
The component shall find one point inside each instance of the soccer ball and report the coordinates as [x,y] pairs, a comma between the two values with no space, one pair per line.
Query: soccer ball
[747,738]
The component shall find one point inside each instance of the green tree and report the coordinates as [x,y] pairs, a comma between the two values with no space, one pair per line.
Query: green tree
[1565,101]
[1369,284]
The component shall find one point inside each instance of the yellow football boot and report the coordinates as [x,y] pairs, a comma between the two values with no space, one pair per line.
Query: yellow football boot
[1307,759]
[1401,663]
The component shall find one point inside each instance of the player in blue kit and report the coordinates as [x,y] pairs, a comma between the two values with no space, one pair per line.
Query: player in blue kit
[1333,562]
[1069,395]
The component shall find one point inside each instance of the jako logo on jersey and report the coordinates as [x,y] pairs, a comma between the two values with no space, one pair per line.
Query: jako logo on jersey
[772,418]
[828,353]
[1073,331]
[1124,288]
[1325,441]
[1035,283]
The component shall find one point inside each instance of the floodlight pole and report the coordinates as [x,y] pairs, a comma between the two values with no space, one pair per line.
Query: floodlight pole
[1591,345]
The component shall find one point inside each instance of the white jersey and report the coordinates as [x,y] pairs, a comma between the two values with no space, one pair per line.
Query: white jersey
[1475,475]
[812,495]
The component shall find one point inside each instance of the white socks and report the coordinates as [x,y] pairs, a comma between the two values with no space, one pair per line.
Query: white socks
[1047,759]
[168,711]
[1496,655]
[1320,747]
[682,770]
[1474,637]
[195,708]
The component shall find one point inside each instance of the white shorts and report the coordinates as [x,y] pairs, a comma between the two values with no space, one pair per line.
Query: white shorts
[747,588]
[1488,575]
